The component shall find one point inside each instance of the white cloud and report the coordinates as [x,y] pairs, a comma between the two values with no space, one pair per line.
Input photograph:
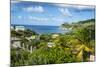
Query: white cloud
[84,7]
[34,9]
[65,11]
[40,19]
[44,19]
[80,7]
[62,5]
[57,19]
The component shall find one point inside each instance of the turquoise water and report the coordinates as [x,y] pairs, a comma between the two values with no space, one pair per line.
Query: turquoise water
[44,29]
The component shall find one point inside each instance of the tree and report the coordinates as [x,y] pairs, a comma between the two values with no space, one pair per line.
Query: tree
[45,37]
[15,34]
[54,55]
[84,36]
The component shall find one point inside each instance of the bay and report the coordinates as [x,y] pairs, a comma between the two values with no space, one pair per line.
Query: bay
[44,29]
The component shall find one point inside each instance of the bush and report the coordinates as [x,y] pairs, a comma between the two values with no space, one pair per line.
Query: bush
[19,57]
[54,55]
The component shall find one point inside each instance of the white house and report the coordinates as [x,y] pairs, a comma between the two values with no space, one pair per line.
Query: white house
[55,35]
[19,28]
[12,27]
[50,44]
[15,42]
[92,58]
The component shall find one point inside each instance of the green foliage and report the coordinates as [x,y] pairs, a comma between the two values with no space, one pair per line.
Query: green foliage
[74,46]
[45,37]
[87,21]
[85,34]
[15,34]
[26,33]
[19,57]
[46,55]
[29,33]
[66,25]
[21,33]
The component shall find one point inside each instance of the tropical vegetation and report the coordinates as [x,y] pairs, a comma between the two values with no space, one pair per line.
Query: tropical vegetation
[74,46]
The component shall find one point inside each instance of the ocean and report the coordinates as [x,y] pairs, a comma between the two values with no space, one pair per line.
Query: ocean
[44,29]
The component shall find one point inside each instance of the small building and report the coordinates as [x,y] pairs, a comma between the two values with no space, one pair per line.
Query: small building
[12,27]
[55,35]
[19,28]
[50,44]
[15,42]
[92,58]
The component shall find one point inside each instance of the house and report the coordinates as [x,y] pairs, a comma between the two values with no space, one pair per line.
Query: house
[92,58]
[15,42]
[16,28]
[19,28]
[55,35]
[12,27]
[50,44]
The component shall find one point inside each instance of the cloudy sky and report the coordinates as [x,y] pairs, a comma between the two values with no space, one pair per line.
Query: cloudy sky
[35,13]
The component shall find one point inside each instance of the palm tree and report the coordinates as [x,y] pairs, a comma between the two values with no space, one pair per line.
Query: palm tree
[83,35]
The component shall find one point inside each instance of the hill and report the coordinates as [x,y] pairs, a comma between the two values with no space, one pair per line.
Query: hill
[84,23]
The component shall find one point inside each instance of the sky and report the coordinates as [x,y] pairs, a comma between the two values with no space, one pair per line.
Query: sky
[51,14]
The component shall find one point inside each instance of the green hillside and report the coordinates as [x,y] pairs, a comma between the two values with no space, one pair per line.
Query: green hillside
[85,23]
